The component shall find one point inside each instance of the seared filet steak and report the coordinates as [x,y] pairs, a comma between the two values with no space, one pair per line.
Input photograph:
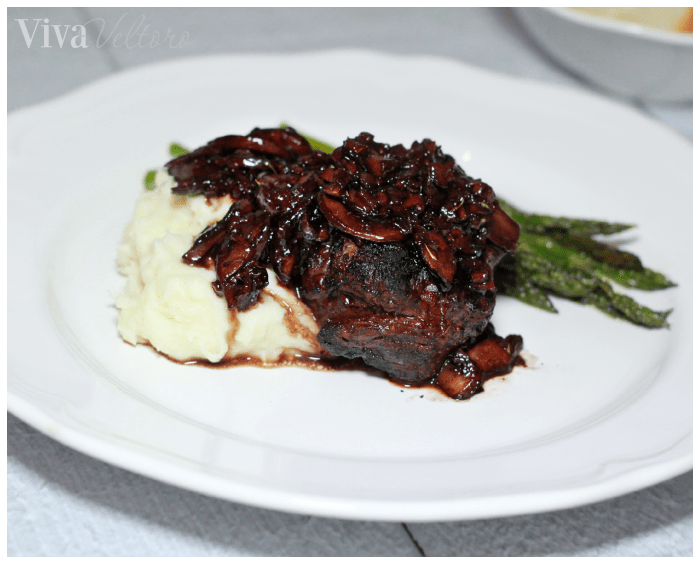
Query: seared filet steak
[383,304]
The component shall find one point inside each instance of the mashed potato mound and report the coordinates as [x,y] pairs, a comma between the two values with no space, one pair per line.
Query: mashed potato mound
[172,306]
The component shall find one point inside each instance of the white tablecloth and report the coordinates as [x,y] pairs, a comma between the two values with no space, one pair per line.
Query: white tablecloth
[63,503]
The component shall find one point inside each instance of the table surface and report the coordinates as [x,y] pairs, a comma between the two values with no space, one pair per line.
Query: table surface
[63,503]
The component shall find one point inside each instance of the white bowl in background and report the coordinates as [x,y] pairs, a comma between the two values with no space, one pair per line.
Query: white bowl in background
[625,58]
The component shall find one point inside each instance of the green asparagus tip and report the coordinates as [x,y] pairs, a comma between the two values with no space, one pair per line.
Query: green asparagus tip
[543,224]
[150,180]
[177,150]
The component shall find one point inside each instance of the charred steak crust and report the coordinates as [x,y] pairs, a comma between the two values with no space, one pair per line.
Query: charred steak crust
[392,248]
[386,308]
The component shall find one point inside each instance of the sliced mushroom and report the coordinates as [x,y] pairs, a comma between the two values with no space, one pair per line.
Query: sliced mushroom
[504,231]
[436,253]
[459,378]
[341,217]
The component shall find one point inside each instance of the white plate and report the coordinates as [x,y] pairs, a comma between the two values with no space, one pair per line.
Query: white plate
[606,410]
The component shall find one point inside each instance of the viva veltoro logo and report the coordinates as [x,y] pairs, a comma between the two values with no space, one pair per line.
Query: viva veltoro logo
[40,31]
[78,40]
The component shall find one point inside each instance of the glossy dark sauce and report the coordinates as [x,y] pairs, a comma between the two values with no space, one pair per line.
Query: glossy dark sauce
[391,249]
[432,383]
[291,358]
[328,363]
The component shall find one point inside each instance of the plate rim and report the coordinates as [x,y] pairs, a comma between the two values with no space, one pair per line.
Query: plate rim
[485,507]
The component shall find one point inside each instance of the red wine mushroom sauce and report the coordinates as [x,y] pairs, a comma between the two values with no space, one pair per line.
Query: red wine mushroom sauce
[392,248]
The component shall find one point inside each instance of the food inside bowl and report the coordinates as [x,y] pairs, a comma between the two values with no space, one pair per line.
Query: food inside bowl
[668,19]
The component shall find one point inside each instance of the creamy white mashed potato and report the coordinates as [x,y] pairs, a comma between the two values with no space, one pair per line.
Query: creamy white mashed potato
[172,306]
